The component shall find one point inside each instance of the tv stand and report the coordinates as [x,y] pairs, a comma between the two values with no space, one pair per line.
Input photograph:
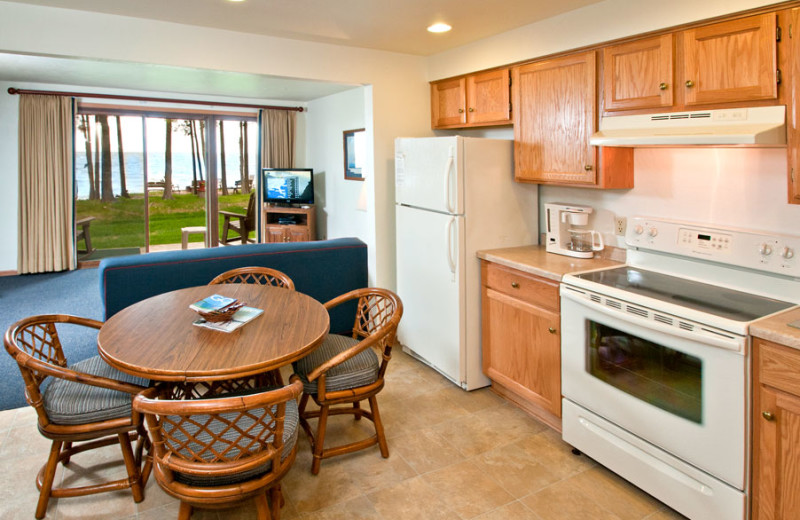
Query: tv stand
[288,223]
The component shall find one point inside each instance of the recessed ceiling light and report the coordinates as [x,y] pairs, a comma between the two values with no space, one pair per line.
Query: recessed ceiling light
[439,28]
[235,0]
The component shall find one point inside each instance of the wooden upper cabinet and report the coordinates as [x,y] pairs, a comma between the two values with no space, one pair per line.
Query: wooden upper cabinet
[448,102]
[554,116]
[793,113]
[731,61]
[639,74]
[481,99]
[489,98]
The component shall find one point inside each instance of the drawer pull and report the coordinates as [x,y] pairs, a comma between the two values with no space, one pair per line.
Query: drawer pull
[515,285]
[552,330]
[768,416]
[662,86]
[689,84]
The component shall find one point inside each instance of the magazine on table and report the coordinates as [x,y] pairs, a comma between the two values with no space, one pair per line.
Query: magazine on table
[241,317]
[213,303]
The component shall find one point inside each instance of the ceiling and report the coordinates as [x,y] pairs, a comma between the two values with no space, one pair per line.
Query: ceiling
[398,26]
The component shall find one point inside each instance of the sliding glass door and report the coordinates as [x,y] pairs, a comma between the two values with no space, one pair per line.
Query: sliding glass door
[150,182]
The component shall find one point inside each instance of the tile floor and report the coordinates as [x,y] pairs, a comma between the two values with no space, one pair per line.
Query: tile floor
[454,455]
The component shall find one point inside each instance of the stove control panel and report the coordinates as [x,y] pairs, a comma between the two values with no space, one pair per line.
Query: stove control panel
[773,253]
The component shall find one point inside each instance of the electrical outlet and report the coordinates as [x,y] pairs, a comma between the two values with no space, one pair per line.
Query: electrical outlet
[620,223]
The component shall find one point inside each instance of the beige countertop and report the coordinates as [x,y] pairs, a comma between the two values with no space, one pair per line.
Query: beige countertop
[535,260]
[775,328]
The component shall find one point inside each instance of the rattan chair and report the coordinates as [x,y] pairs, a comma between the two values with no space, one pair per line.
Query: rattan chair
[88,402]
[215,453]
[257,275]
[345,370]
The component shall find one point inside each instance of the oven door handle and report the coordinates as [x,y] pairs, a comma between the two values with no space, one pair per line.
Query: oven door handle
[708,337]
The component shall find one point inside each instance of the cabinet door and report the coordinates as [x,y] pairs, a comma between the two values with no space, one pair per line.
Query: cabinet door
[793,116]
[489,98]
[274,234]
[776,479]
[297,234]
[554,116]
[521,349]
[731,61]
[638,74]
[448,103]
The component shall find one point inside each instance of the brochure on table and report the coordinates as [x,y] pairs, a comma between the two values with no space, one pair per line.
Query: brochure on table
[241,317]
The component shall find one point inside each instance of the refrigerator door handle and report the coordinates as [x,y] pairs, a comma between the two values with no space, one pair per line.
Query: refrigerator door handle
[451,262]
[448,169]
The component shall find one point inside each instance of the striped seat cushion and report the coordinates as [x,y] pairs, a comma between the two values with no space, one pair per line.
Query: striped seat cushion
[71,403]
[244,423]
[359,370]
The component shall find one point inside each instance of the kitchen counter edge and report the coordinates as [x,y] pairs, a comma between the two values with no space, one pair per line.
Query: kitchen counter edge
[776,328]
[535,260]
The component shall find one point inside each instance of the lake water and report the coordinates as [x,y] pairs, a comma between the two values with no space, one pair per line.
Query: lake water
[134,171]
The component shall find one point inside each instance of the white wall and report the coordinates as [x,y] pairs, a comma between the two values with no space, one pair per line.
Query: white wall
[397,97]
[735,187]
[337,198]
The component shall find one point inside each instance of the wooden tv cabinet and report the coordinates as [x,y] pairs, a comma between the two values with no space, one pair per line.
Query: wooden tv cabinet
[275,228]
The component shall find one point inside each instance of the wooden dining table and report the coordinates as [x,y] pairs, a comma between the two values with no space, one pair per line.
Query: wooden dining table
[156,338]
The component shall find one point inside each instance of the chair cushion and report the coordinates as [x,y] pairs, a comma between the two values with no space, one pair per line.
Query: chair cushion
[290,429]
[360,370]
[71,403]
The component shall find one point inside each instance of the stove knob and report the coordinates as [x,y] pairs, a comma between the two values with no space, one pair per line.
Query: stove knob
[639,229]
[787,252]
[765,249]
[652,232]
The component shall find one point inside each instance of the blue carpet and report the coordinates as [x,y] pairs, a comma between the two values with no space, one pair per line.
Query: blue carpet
[72,292]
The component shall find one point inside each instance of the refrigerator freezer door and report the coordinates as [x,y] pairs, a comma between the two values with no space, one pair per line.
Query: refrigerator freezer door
[430,281]
[429,174]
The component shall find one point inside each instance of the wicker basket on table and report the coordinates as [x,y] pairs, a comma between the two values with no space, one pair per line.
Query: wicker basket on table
[224,314]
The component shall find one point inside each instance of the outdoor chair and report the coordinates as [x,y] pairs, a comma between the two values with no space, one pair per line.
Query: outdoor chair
[216,453]
[88,402]
[345,370]
[241,224]
[257,275]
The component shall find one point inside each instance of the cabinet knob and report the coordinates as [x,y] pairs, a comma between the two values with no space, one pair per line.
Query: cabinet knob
[588,167]
[552,330]
[460,110]
[515,285]
[689,83]
[471,109]
[662,86]
[768,416]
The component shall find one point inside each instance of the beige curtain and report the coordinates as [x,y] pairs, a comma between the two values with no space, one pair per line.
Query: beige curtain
[45,184]
[277,138]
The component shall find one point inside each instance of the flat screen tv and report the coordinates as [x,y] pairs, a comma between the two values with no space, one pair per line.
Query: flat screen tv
[288,185]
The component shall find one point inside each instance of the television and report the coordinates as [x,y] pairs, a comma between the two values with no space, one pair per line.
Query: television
[288,185]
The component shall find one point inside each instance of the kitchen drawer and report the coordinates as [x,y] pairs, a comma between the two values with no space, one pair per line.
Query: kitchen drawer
[779,367]
[523,286]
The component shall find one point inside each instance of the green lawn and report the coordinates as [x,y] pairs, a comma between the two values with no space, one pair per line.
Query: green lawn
[121,223]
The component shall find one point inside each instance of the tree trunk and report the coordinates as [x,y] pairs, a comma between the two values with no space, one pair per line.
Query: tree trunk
[86,128]
[167,194]
[107,188]
[196,143]
[222,167]
[97,132]
[190,129]
[246,154]
[121,156]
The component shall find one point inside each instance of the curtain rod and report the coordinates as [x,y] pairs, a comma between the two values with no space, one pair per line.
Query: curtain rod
[13,90]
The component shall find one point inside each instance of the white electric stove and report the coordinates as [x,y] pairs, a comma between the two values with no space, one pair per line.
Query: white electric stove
[655,365]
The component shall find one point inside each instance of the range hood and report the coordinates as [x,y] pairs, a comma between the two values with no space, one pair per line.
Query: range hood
[760,126]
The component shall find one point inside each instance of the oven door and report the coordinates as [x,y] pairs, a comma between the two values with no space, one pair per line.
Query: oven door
[657,382]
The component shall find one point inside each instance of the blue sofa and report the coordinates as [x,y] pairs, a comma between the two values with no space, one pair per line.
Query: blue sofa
[323,270]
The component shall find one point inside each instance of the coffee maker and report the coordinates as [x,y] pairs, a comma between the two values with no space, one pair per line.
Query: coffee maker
[567,233]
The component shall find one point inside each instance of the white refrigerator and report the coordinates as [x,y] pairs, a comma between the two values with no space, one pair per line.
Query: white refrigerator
[454,196]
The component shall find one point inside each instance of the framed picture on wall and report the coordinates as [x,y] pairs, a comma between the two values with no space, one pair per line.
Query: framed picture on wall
[354,154]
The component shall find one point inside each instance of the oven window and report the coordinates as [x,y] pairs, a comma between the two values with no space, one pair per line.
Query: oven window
[653,373]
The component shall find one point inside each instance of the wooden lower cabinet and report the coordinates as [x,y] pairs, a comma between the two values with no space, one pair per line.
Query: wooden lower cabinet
[301,229]
[521,340]
[776,432]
